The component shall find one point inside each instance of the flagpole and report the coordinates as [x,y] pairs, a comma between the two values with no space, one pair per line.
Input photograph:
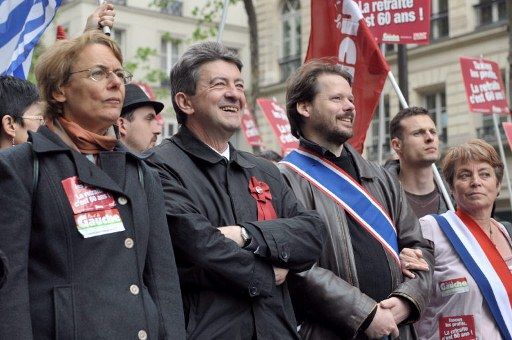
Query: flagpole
[106,29]
[502,153]
[380,145]
[437,176]
[222,21]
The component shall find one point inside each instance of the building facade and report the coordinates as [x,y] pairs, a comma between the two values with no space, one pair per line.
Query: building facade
[469,28]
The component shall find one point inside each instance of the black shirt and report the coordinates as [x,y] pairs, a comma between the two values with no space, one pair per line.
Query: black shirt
[370,259]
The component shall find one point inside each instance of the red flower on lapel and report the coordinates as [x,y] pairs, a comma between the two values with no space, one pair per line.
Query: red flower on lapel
[260,191]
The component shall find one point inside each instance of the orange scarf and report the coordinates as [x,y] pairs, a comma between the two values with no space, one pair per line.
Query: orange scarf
[86,141]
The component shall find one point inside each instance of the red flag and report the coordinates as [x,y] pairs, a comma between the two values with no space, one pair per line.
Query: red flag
[338,29]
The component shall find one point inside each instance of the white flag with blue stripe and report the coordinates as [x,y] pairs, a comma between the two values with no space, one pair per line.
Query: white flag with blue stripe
[22,23]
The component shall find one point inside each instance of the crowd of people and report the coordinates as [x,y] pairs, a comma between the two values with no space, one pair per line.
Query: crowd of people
[104,234]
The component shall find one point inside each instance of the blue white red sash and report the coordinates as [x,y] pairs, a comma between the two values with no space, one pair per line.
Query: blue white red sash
[484,263]
[350,195]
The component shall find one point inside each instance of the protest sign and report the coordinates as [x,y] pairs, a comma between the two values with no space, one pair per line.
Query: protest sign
[398,21]
[485,91]
[276,117]
[250,130]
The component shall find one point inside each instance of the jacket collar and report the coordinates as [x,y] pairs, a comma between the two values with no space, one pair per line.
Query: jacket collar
[189,143]
[112,174]
[361,164]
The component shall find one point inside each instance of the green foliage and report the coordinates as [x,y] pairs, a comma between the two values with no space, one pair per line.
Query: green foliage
[206,15]
[141,64]
[38,50]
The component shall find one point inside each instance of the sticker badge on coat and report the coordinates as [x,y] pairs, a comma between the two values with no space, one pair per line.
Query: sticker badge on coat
[453,286]
[94,209]
[461,327]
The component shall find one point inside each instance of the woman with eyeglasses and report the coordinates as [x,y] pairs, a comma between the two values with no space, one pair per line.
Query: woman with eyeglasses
[82,220]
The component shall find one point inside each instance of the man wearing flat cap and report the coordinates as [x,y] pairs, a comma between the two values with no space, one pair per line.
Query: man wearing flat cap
[138,126]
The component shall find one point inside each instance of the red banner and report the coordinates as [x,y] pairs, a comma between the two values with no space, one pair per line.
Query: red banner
[338,29]
[398,22]
[485,91]
[276,117]
[250,129]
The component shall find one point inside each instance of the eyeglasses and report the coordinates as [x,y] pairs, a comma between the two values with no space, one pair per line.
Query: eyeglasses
[98,73]
[40,119]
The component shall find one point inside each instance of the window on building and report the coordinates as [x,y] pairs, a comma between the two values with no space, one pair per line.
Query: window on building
[391,48]
[490,11]
[291,30]
[435,103]
[169,54]
[487,132]
[173,7]
[372,151]
[119,36]
[439,27]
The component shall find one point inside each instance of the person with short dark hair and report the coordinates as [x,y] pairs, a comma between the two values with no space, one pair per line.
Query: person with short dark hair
[356,290]
[138,124]
[237,229]
[415,139]
[19,110]
[472,284]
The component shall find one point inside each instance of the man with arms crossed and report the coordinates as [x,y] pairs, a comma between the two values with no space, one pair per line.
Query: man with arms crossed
[356,290]
[237,228]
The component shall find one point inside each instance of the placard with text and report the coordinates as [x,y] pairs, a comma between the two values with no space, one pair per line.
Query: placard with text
[276,117]
[398,21]
[485,91]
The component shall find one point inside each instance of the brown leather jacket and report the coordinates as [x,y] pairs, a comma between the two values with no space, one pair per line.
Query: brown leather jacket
[327,297]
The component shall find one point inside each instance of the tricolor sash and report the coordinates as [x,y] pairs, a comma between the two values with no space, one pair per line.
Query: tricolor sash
[346,192]
[484,263]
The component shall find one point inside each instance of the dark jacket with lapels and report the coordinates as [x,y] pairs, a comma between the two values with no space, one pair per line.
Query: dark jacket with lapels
[230,292]
[121,285]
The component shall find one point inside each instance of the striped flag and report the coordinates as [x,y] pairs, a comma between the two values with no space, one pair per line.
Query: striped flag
[22,23]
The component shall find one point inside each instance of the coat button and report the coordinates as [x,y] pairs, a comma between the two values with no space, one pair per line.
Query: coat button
[284,255]
[142,335]
[122,200]
[128,243]
[253,291]
[134,289]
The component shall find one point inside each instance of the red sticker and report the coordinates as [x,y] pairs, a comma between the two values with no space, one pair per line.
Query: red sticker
[84,198]
[457,327]
[94,209]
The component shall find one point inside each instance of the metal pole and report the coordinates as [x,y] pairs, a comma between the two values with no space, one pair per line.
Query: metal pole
[403,77]
[437,176]
[502,153]
[222,21]
[382,118]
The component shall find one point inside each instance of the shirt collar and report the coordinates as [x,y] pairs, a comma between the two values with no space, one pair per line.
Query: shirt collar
[318,149]
[187,141]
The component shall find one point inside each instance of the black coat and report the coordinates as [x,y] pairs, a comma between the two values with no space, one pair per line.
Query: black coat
[230,292]
[61,285]
[3,268]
